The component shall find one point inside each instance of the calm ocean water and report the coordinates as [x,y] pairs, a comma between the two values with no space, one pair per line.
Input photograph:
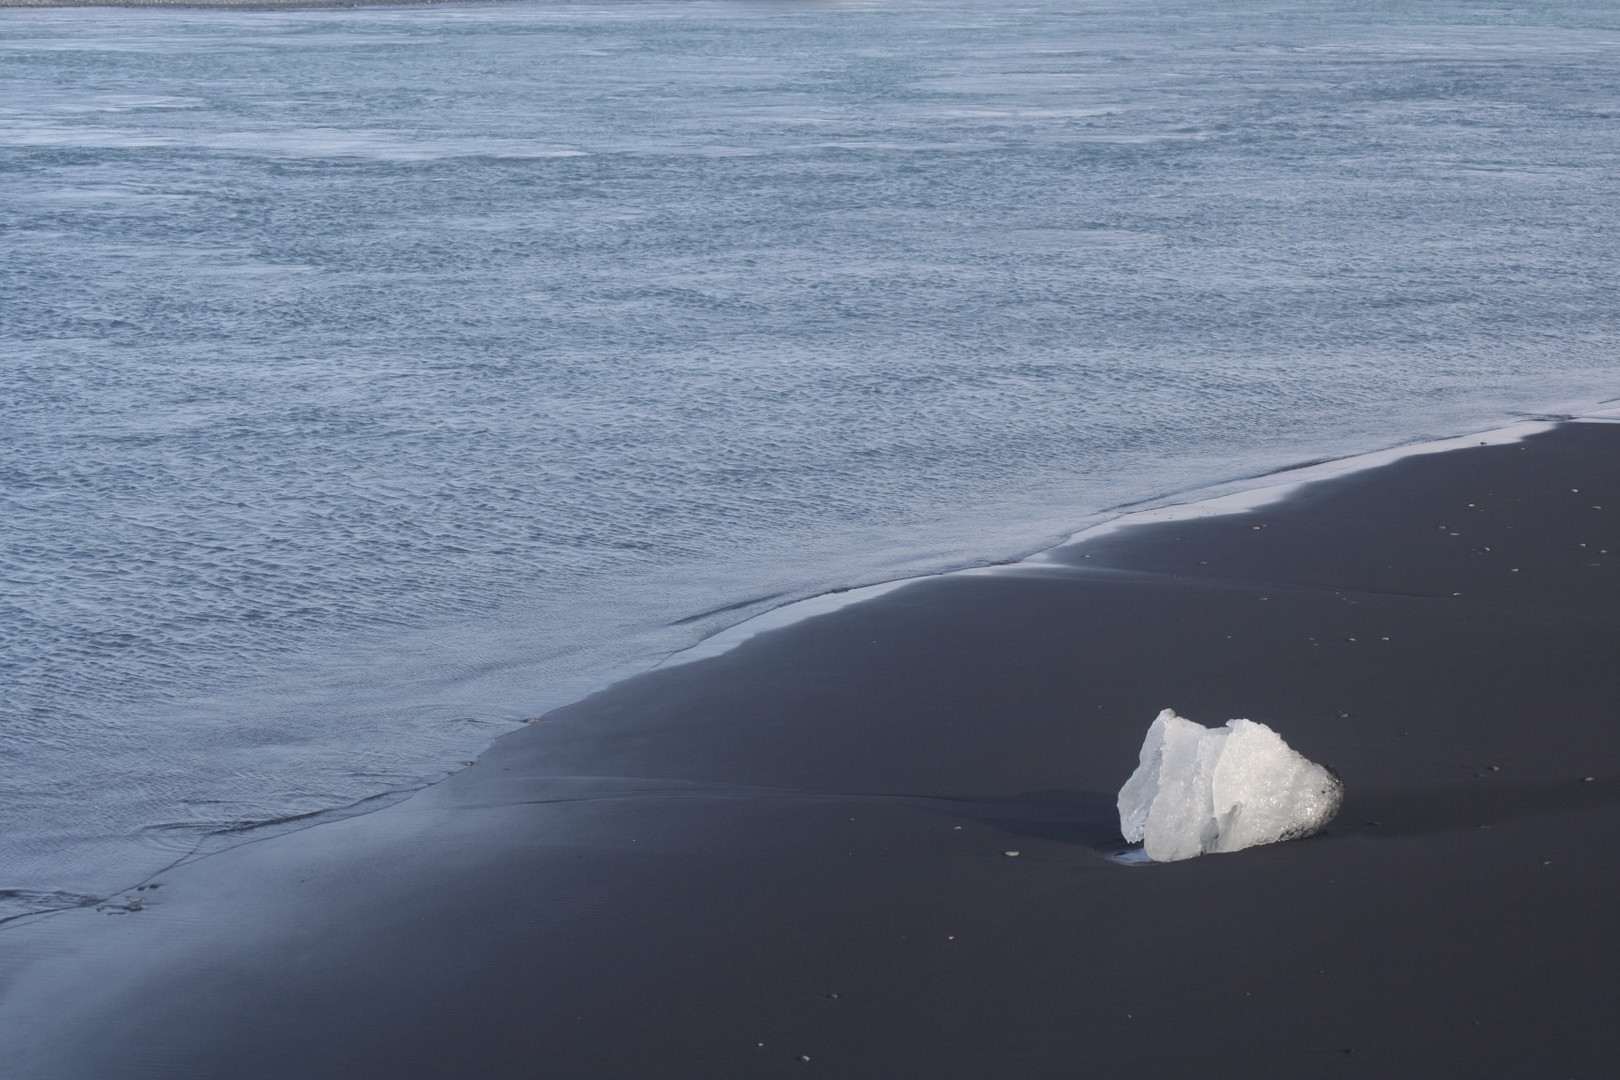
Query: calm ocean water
[373,379]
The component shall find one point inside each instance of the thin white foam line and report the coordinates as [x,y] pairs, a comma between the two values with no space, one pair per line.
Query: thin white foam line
[1255,493]
[1235,497]
[776,618]
[1242,496]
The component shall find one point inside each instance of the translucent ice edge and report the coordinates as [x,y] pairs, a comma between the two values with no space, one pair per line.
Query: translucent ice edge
[1235,497]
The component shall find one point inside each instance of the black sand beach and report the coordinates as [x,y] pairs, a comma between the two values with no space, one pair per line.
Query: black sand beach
[797,858]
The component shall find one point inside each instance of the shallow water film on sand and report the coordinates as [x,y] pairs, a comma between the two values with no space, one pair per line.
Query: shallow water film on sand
[374,379]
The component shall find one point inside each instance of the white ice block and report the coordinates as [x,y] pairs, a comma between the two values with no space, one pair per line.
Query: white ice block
[1201,789]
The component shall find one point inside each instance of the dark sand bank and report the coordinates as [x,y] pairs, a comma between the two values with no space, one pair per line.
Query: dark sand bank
[796,849]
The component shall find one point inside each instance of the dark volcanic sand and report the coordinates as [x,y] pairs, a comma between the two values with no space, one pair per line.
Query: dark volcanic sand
[797,849]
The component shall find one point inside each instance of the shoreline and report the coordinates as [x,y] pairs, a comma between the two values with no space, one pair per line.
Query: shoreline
[1244,494]
[793,855]
[1241,494]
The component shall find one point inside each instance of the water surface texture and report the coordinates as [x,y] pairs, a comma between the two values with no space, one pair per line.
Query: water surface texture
[373,379]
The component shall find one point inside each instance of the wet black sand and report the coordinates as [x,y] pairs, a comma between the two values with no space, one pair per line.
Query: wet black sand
[798,850]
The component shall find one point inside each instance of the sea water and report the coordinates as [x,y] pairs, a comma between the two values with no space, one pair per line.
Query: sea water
[374,379]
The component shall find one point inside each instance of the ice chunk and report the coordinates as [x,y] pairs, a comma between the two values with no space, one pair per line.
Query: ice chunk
[1166,802]
[1201,789]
